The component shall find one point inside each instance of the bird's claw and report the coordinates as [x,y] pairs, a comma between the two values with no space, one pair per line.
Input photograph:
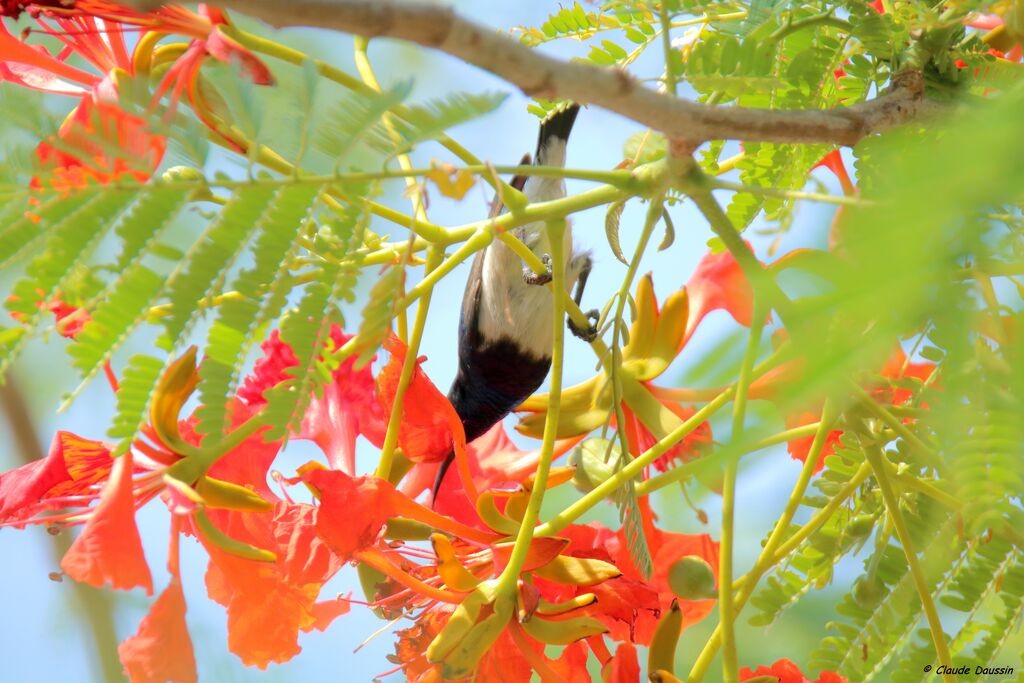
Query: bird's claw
[589,333]
[532,278]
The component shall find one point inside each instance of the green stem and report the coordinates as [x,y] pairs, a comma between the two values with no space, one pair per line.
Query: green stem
[641,179]
[387,453]
[788,194]
[478,241]
[727,616]
[510,576]
[614,366]
[878,462]
[419,209]
[688,469]
[697,185]
[896,425]
[700,667]
[636,467]
[823,19]
[746,583]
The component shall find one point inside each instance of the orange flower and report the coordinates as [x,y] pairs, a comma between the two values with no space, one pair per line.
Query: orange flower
[71,468]
[718,282]
[429,422]
[800,447]
[346,408]
[269,603]
[161,649]
[495,462]
[623,667]
[786,671]
[693,445]
[109,549]
[833,161]
[81,153]
[630,604]
[894,392]
[92,129]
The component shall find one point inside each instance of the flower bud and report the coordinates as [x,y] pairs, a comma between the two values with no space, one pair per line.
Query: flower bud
[691,578]
[595,460]
[868,592]
[190,175]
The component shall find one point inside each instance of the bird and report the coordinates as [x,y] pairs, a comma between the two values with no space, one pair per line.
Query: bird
[505,331]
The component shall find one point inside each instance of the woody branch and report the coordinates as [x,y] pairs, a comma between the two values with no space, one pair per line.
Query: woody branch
[539,75]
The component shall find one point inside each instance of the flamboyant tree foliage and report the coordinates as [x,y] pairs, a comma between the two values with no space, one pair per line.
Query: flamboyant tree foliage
[891,359]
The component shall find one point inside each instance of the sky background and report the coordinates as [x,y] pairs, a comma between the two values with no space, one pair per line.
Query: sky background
[42,638]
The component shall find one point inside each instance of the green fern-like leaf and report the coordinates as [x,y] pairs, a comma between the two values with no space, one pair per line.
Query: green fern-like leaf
[632,524]
[133,397]
[24,233]
[430,120]
[232,334]
[379,312]
[69,243]
[358,118]
[154,210]
[884,608]
[210,259]
[125,302]
[307,330]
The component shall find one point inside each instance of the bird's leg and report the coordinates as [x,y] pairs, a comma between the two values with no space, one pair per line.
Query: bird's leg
[589,333]
[532,278]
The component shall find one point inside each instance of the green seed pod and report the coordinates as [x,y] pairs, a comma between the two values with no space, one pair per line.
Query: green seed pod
[595,460]
[691,578]
[868,592]
[860,526]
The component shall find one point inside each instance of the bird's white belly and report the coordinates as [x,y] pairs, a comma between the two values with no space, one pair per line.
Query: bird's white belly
[512,309]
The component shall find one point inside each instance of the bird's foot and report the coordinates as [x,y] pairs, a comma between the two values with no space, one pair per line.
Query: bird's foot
[532,278]
[589,333]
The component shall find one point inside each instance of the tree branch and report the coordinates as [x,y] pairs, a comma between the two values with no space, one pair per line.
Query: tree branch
[539,75]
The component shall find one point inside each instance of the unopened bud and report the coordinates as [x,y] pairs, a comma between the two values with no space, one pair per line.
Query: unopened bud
[691,578]
[191,175]
[595,461]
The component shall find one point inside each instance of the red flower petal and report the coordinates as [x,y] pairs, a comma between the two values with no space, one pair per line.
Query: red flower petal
[788,672]
[109,548]
[503,662]
[326,611]
[692,446]
[29,483]
[229,50]
[83,155]
[495,462]
[833,161]
[269,603]
[14,51]
[352,510]
[347,408]
[248,463]
[799,448]
[161,649]
[623,667]
[668,547]
[719,282]
[428,419]
[571,666]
